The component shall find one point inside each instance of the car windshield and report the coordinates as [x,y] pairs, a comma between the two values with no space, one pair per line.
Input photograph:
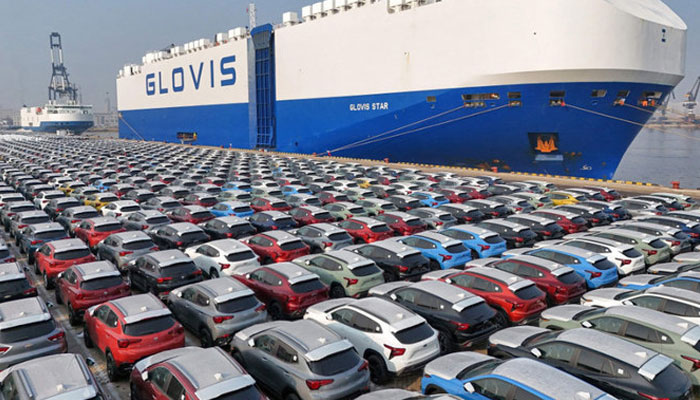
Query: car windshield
[335,363]
[414,334]
[241,256]
[101,283]
[149,326]
[46,235]
[13,286]
[307,286]
[25,332]
[108,227]
[72,254]
[138,245]
[237,305]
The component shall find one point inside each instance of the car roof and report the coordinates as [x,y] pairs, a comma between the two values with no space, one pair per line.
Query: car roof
[292,272]
[611,345]
[590,256]
[312,338]
[474,229]
[396,247]
[326,228]
[59,376]
[46,226]
[168,257]
[150,213]
[32,213]
[67,244]
[130,236]
[228,245]
[669,322]
[22,312]
[140,307]
[280,236]
[275,214]
[677,293]
[450,293]
[403,215]
[99,221]
[389,312]
[369,221]
[96,270]
[603,241]
[534,218]
[514,282]
[223,289]
[562,213]
[11,271]
[540,262]
[353,260]
[184,227]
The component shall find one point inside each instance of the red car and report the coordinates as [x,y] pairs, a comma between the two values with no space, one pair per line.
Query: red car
[191,214]
[403,224]
[129,329]
[366,230]
[308,215]
[189,367]
[571,222]
[455,195]
[475,193]
[55,257]
[95,230]
[561,284]
[386,179]
[286,288]
[202,199]
[167,179]
[609,194]
[277,246]
[213,180]
[269,204]
[328,197]
[120,189]
[517,300]
[83,286]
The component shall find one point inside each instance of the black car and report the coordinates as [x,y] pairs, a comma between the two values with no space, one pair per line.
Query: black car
[399,262]
[465,214]
[178,236]
[405,203]
[515,235]
[545,228]
[230,227]
[10,209]
[461,319]
[14,283]
[58,205]
[491,209]
[70,218]
[621,368]
[272,220]
[161,203]
[593,216]
[162,271]
[138,195]
[176,192]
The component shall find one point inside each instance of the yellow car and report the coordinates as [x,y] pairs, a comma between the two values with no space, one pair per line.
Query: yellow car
[99,200]
[364,183]
[69,187]
[561,198]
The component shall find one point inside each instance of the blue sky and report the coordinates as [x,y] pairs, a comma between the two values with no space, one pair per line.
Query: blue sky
[100,36]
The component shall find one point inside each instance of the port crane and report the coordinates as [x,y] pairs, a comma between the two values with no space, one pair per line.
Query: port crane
[60,86]
[691,100]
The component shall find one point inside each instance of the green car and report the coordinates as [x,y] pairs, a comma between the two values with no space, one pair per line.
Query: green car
[355,194]
[345,272]
[664,333]
[344,210]
[375,207]
[235,195]
[535,200]
[653,248]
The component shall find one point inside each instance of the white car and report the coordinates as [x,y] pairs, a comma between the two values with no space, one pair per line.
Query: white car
[393,339]
[222,257]
[679,302]
[625,256]
[405,188]
[120,209]
[43,198]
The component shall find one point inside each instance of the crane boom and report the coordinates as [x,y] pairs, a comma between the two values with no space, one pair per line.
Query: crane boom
[60,86]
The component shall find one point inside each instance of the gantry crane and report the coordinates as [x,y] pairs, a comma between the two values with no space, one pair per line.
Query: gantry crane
[60,87]
[691,100]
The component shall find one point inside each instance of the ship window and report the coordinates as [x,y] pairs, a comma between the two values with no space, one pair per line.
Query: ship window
[652,95]
[432,99]
[556,98]
[514,99]
[481,96]
[514,95]
[599,93]
[623,93]
[557,93]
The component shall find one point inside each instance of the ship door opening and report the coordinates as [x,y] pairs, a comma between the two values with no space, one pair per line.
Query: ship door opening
[263,42]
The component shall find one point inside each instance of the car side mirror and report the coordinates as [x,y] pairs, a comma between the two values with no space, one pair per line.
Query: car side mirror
[583,396]
[393,297]
[247,276]
[586,324]
[60,275]
[307,262]
[329,317]
[144,376]
[627,303]
[251,342]
[469,388]
[536,352]
[178,294]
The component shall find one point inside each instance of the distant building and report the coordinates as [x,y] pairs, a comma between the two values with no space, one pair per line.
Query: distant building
[106,120]
[10,115]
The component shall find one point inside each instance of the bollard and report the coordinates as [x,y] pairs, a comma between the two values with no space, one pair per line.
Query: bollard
[676,184]
[494,169]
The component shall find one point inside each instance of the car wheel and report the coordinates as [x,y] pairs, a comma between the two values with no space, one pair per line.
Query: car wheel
[434,265]
[434,390]
[274,310]
[36,267]
[112,371]
[336,291]
[205,338]
[87,339]
[73,318]
[21,249]
[213,274]
[30,259]
[475,255]
[59,299]
[377,369]
[446,342]
[47,282]
[502,319]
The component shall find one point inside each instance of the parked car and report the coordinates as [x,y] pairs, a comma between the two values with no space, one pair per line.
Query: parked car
[277,246]
[145,220]
[443,251]
[180,235]
[397,260]
[161,203]
[323,237]
[306,215]
[228,228]
[222,257]
[123,247]
[402,223]
[272,221]
[14,283]
[482,242]
[162,271]
[55,257]
[545,228]
[94,230]
[34,236]
[344,272]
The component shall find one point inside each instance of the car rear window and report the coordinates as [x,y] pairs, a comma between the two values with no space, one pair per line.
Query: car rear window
[494,239]
[107,227]
[307,286]
[456,248]
[25,332]
[14,286]
[241,230]
[446,217]
[578,221]
[478,312]
[170,204]
[72,254]
[335,363]
[380,228]
[240,256]
[149,326]
[36,220]
[4,253]
[158,220]
[415,259]
[365,270]
[569,278]
[669,378]
[604,264]
[414,222]
[101,283]
[237,305]
[279,204]
[339,236]
[22,209]
[57,234]
[657,244]
[414,204]
[285,221]
[242,209]
[292,245]
[414,334]
[178,269]
[138,245]
[194,236]
[86,214]
[528,292]
[553,227]
[632,253]
[130,208]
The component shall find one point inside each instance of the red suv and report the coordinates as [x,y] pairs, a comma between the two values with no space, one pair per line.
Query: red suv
[192,214]
[308,215]
[366,230]
[456,196]
[83,286]
[129,329]
[403,224]
[269,204]
[277,246]
[571,222]
[475,193]
[517,300]
[287,289]
[95,230]
[55,257]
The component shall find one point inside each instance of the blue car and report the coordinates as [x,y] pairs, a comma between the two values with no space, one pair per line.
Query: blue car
[687,280]
[103,185]
[596,269]
[483,243]
[237,185]
[228,208]
[430,199]
[289,190]
[476,376]
[615,211]
[442,251]
[692,229]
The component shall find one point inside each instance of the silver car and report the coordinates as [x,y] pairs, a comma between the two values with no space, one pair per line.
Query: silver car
[323,237]
[303,359]
[435,218]
[216,309]
[28,331]
[121,248]
[145,220]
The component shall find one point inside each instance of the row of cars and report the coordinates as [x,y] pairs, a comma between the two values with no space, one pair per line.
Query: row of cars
[369,297]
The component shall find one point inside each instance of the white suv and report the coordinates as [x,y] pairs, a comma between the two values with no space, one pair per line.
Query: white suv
[222,257]
[391,338]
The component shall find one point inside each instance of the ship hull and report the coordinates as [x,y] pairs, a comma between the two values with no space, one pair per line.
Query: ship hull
[76,127]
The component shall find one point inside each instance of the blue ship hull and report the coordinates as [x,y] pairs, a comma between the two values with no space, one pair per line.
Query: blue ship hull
[53,127]
[589,134]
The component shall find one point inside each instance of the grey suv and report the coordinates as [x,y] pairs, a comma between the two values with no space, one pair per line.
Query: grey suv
[121,248]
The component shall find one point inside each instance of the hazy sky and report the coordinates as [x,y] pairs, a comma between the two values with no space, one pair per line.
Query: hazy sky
[100,36]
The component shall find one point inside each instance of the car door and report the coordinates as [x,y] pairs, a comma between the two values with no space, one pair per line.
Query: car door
[97,328]
[342,324]
[184,308]
[158,381]
[257,359]
[492,389]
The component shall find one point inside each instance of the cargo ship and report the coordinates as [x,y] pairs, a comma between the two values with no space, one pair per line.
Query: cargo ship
[545,86]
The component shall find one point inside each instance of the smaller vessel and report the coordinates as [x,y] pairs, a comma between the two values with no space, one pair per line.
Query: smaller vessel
[63,112]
